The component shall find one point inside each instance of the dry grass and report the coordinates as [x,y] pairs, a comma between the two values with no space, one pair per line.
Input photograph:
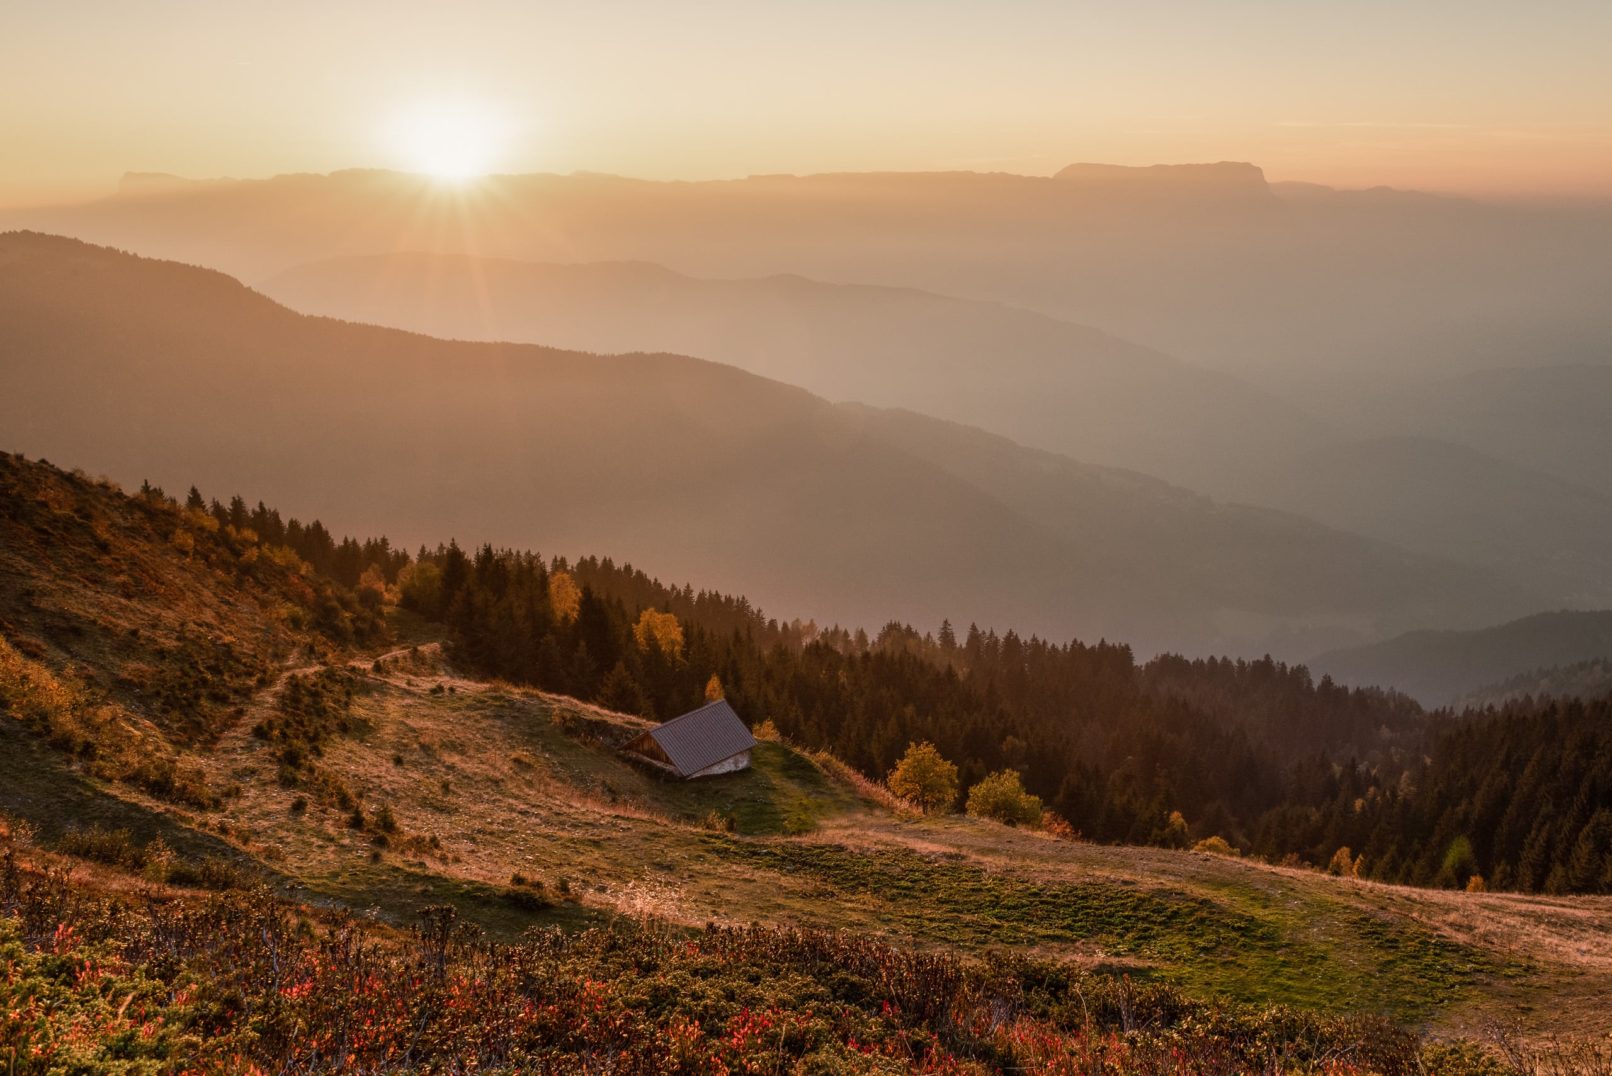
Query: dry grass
[485,782]
[871,791]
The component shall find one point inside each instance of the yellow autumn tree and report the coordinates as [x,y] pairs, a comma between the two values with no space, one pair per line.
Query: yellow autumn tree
[923,778]
[565,597]
[373,593]
[660,628]
[1175,833]
[713,688]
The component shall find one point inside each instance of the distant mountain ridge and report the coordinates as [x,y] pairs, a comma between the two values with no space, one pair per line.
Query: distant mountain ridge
[1052,384]
[1580,680]
[1243,284]
[1046,383]
[1221,177]
[150,369]
[1440,667]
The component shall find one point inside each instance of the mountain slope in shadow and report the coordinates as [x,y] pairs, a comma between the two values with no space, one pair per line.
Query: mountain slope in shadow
[1049,383]
[1046,383]
[1440,667]
[150,369]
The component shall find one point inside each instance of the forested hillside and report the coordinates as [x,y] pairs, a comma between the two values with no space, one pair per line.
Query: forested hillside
[225,732]
[1441,667]
[1167,752]
[1578,680]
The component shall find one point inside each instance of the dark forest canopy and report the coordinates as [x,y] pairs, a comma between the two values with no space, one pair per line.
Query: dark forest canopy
[1279,764]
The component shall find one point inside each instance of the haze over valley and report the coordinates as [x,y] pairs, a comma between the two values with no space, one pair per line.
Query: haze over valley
[847,514]
[736,538]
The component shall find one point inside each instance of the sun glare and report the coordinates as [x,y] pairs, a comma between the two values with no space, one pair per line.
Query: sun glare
[450,141]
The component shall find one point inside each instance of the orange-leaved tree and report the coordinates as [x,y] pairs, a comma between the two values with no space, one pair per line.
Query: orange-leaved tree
[565,597]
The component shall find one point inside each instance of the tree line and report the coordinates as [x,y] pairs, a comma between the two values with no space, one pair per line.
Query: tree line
[1254,756]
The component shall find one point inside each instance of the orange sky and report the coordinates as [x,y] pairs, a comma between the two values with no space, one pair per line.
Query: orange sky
[1476,97]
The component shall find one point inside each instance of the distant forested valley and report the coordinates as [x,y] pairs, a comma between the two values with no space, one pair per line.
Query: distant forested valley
[1169,752]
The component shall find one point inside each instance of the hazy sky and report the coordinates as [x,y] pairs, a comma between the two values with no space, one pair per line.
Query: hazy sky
[1476,96]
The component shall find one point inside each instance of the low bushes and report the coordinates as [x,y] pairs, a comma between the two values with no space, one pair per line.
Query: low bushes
[241,981]
[1002,798]
[153,859]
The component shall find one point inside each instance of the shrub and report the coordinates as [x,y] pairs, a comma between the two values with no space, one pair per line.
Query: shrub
[114,847]
[1001,797]
[527,900]
[159,861]
[925,779]
[310,710]
[1056,825]
[1215,845]
[210,872]
[1459,864]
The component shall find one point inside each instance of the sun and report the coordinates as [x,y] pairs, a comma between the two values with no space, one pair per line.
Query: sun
[452,141]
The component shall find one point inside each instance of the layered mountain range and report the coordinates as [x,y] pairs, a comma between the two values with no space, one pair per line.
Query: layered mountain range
[151,369]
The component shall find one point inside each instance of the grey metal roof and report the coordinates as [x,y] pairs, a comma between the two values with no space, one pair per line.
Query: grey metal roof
[703,737]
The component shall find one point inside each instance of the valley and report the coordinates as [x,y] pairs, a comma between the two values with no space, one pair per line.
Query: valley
[376,779]
[744,539]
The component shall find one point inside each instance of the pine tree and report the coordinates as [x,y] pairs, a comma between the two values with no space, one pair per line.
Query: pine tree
[621,692]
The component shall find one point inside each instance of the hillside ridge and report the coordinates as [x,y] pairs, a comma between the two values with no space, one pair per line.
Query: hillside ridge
[691,466]
[360,769]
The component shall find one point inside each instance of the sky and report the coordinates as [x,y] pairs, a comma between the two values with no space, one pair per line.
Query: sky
[1480,97]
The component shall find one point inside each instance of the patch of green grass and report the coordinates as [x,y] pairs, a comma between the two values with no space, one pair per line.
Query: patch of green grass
[959,903]
[783,792]
[398,894]
[1333,958]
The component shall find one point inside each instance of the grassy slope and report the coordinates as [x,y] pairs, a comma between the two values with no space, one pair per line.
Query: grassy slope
[490,772]
[509,781]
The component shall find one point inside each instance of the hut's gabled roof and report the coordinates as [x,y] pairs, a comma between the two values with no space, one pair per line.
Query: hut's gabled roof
[702,738]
